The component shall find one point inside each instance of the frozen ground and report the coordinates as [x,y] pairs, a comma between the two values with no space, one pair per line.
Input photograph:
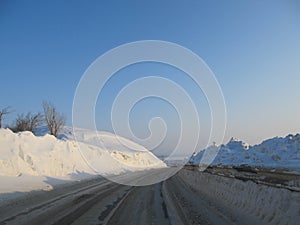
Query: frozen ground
[29,162]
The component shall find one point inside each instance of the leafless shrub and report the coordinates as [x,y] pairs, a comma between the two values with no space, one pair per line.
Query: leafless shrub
[28,122]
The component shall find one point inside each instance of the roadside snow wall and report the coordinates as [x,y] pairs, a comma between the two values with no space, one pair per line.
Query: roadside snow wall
[245,201]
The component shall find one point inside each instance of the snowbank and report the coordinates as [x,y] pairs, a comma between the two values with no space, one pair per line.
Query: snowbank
[247,202]
[24,154]
[277,152]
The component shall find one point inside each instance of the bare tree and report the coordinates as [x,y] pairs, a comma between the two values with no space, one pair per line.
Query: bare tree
[28,122]
[35,120]
[4,112]
[55,121]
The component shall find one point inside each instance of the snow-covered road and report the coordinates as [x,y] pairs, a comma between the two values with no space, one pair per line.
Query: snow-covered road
[189,197]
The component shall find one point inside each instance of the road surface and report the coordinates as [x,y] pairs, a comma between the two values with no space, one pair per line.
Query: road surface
[99,201]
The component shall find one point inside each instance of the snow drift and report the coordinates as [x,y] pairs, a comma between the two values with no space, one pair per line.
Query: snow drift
[278,152]
[245,201]
[25,153]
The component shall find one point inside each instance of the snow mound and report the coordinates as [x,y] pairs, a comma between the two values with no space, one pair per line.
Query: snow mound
[237,144]
[278,152]
[25,153]
[245,201]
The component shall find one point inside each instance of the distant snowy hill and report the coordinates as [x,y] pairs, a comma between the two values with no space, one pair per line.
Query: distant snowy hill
[25,153]
[278,152]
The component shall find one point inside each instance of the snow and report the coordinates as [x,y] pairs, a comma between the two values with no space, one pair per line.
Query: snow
[27,161]
[277,152]
[245,201]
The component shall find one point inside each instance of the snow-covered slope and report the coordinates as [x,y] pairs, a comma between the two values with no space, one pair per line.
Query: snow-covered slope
[245,202]
[278,152]
[24,153]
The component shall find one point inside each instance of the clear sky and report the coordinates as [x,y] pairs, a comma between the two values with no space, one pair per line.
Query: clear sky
[253,48]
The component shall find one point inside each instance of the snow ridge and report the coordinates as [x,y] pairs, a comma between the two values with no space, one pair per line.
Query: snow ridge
[277,152]
[25,153]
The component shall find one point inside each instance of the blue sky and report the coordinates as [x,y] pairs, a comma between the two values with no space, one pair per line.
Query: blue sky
[253,48]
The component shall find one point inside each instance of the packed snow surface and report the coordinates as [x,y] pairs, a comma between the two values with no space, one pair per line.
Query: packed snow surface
[278,152]
[24,154]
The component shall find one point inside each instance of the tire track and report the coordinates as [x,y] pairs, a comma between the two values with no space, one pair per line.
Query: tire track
[57,204]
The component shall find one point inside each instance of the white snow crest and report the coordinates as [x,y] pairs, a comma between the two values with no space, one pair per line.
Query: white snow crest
[278,152]
[24,153]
